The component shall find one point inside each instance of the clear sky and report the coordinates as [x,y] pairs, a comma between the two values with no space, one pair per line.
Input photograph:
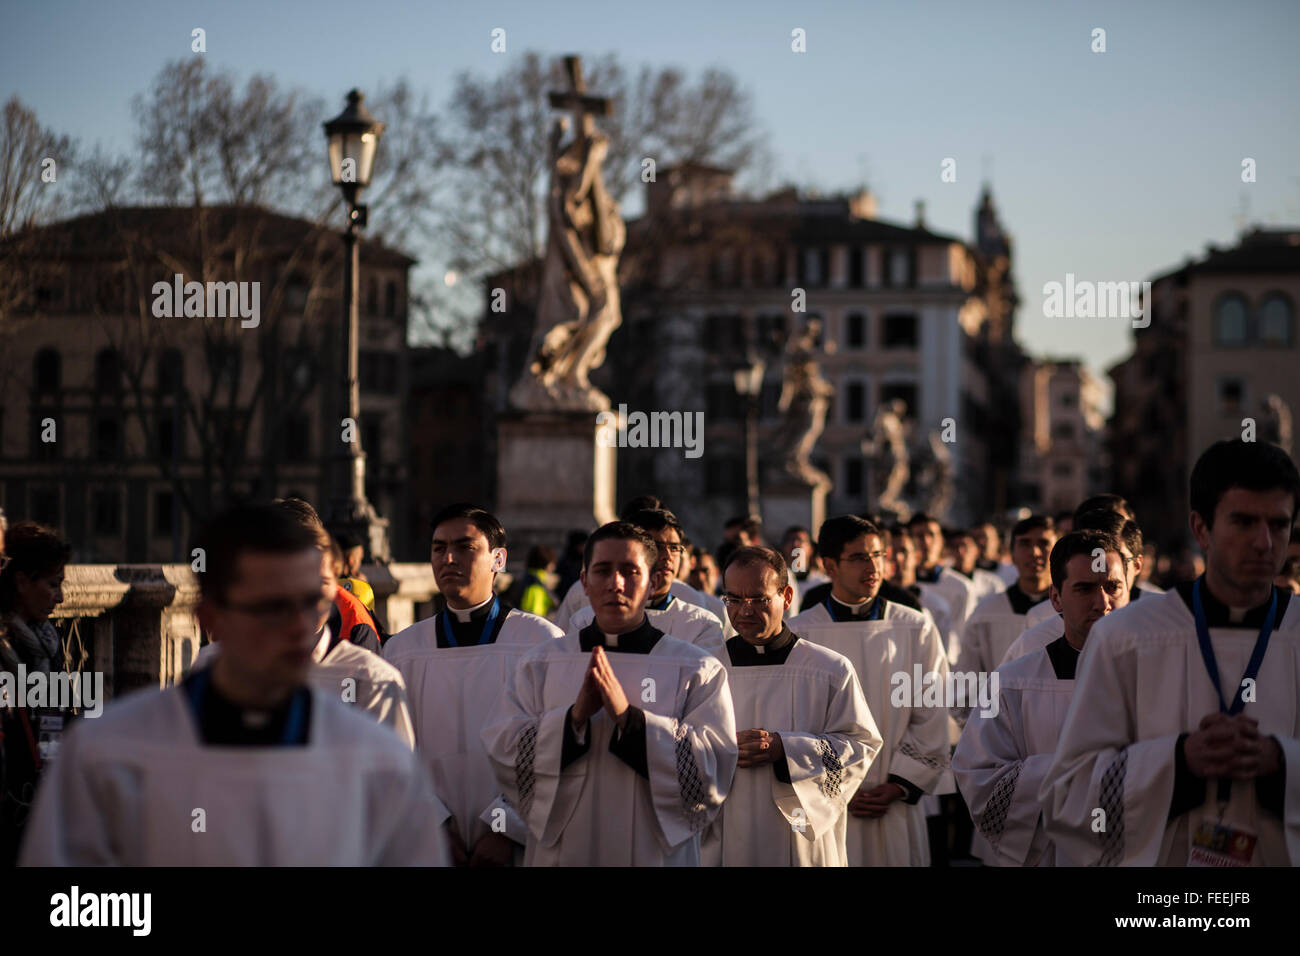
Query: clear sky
[1113,166]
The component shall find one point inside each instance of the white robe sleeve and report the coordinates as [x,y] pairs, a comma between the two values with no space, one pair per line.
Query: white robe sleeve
[409,833]
[525,743]
[999,782]
[70,825]
[1291,798]
[1099,767]
[921,756]
[389,707]
[826,769]
[692,759]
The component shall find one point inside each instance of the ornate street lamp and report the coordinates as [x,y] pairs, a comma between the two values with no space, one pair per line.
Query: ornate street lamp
[353,136]
[748,380]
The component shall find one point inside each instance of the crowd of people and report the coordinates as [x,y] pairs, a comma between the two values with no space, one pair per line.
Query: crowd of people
[879,694]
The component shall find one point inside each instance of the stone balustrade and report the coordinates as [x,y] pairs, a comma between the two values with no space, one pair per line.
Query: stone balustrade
[136,621]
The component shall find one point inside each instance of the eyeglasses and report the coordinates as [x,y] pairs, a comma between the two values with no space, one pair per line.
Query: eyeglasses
[758,603]
[672,548]
[274,613]
[862,557]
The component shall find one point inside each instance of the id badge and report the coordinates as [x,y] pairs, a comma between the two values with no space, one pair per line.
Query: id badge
[1218,844]
[49,732]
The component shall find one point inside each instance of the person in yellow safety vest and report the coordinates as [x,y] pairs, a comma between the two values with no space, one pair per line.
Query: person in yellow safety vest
[534,593]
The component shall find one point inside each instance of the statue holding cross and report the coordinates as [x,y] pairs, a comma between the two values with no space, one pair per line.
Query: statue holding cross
[578,307]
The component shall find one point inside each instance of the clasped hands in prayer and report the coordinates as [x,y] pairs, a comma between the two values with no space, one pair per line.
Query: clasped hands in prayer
[1231,747]
[600,691]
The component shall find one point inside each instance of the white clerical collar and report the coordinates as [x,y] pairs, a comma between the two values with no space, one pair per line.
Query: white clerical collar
[468,613]
[759,648]
[322,646]
[857,610]
[611,640]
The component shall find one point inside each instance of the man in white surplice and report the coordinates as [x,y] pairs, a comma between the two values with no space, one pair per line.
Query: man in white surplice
[1000,619]
[886,643]
[617,743]
[1004,753]
[807,738]
[1182,743]
[456,666]
[243,763]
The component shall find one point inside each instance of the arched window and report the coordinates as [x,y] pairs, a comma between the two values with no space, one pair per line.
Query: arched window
[1231,320]
[47,371]
[108,371]
[1276,320]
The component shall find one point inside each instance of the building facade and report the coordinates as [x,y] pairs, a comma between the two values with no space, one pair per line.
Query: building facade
[1063,454]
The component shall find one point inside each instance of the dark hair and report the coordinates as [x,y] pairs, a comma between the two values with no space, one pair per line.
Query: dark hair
[620,531]
[539,556]
[575,540]
[752,555]
[33,550]
[1254,466]
[951,533]
[656,519]
[1062,516]
[336,557]
[920,518]
[347,540]
[836,532]
[746,523]
[483,520]
[1076,543]
[305,515]
[794,529]
[263,529]
[640,503]
[1107,502]
[1113,523]
[1032,523]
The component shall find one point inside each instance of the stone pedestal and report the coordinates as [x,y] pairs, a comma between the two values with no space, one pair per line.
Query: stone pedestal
[792,502]
[552,477]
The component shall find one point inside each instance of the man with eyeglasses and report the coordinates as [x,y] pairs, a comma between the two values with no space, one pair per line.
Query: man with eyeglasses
[890,646]
[666,610]
[809,735]
[243,763]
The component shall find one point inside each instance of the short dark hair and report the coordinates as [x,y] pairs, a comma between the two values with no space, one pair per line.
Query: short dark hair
[1106,502]
[656,519]
[620,531]
[1076,543]
[836,532]
[304,514]
[641,503]
[746,523]
[752,555]
[952,533]
[485,521]
[263,529]
[920,518]
[1254,466]
[795,529]
[539,556]
[347,540]
[33,550]
[1032,523]
[1113,523]
[1063,516]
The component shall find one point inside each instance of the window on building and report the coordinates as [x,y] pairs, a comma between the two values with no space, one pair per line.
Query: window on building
[1063,431]
[900,267]
[855,330]
[372,296]
[1231,320]
[43,506]
[108,372]
[905,391]
[47,372]
[771,331]
[166,431]
[1275,320]
[164,504]
[390,299]
[107,439]
[855,402]
[899,330]
[298,368]
[1232,395]
[1068,400]
[853,477]
[378,372]
[171,372]
[814,266]
[372,438]
[106,512]
[296,438]
[857,270]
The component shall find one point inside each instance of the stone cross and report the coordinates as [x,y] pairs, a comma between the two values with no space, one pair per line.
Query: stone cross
[576,99]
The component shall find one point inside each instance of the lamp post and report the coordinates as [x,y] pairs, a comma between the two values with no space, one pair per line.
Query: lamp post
[353,136]
[749,386]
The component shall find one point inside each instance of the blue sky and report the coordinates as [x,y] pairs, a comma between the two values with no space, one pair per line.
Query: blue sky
[1113,166]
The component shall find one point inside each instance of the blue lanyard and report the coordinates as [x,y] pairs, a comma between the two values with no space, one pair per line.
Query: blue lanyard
[293,727]
[876,613]
[487,625]
[1212,666]
[663,607]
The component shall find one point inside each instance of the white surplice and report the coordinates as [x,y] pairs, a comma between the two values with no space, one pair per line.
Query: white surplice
[990,631]
[814,701]
[127,786]
[453,692]
[1001,760]
[1141,683]
[598,811]
[915,739]
[577,599]
[1032,638]
[684,621]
